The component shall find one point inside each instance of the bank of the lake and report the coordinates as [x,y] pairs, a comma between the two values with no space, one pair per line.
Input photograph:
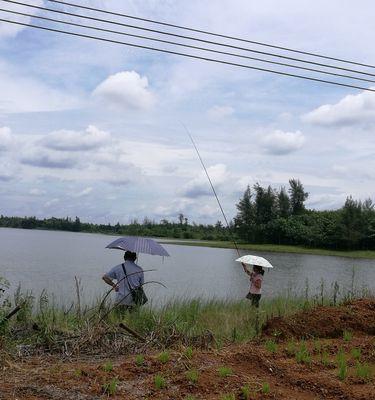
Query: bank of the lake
[274,248]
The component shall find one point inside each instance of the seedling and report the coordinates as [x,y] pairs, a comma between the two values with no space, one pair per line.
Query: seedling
[347,336]
[325,358]
[271,346]
[108,367]
[110,387]
[139,360]
[192,376]
[266,388]
[343,368]
[356,353]
[160,382]
[189,353]
[245,392]
[303,355]
[163,357]
[363,371]
[224,372]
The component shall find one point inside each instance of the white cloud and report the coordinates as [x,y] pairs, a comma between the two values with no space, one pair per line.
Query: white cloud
[351,110]
[279,142]
[36,192]
[83,192]
[125,90]
[47,159]
[5,138]
[200,185]
[219,112]
[66,140]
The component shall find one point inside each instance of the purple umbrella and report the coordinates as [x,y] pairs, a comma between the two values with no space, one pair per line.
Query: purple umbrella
[138,245]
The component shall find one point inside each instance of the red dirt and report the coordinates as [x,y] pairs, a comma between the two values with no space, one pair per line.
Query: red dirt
[51,377]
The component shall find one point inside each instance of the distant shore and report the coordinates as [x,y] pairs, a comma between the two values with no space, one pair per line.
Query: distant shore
[369,254]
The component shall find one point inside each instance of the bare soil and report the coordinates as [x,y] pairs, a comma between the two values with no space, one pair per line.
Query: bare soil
[257,364]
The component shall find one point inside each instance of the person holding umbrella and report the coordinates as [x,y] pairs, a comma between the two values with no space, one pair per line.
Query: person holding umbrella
[129,279]
[256,276]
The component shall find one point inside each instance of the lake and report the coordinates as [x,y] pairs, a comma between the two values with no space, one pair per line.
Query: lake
[50,260]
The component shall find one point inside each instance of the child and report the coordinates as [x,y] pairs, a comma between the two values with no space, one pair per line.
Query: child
[256,279]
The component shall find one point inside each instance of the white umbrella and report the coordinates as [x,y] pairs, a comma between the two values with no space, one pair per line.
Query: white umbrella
[255,260]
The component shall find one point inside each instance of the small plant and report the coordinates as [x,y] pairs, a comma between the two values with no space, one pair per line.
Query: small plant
[266,388]
[245,392]
[341,362]
[108,367]
[192,376]
[163,357]
[302,355]
[317,346]
[110,387]
[225,372]
[160,382]
[291,348]
[347,336]
[139,360]
[363,371]
[190,397]
[189,353]
[271,346]
[325,358]
[356,353]
[228,397]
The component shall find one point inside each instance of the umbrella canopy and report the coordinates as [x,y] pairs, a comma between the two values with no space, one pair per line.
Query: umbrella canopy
[255,260]
[138,244]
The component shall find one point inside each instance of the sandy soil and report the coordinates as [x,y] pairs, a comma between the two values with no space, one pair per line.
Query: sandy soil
[252,364]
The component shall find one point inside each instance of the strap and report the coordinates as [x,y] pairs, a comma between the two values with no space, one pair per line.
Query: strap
[126,275]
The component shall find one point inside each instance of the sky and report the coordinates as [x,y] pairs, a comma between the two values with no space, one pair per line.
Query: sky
[97,130]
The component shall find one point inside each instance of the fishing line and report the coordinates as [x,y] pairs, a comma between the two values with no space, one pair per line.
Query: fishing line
[213,189]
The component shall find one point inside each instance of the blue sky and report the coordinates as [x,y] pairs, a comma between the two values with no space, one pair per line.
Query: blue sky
[95,130]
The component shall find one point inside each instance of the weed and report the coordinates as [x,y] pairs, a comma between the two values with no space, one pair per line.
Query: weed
[108,367]
[228,397]
[110,387]
[245,392]
[190,397]
[271,346]
[325,358]
[192,376]
[356,353]
[342,365]
[302,355]
[347,336]
[164,357]
[266,388]
[160,382]
[139,360]
[291,348]
[189,353]
[224,372]
[363,371]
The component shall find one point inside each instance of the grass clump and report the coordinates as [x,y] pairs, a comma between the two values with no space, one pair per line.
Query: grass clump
[347,336]
[108,367]
[192,376]
[110,388]
[164,357]
[225,372]
[245,392]
[363,371]
[139,360]
[160,382]
[189,353]
[190,397]
[303,355]
[230,396]
[271,346]
[355,353]
[342,372]
[325,358]
[266,388]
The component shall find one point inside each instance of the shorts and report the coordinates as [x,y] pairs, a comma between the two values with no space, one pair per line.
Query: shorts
[255,298]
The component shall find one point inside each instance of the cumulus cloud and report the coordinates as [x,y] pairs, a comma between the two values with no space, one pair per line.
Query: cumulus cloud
[43,159]
[65,140]
[200,186]
[219,112]
[351,110]
[5,138]
[125,90]
[280,143]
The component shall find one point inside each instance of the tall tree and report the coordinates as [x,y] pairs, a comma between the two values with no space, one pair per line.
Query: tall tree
[265,204]
[245,219]
[297,196]
[283,203]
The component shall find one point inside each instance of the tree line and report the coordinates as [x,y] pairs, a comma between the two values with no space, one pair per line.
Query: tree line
[264,215]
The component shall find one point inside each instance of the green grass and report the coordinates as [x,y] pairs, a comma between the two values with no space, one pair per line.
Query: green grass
[355,353]
[271,346]
[110,388]
[139,360]
[347,336]
[108,367]
[302,354]
[266,388]
[188,353]
[342,372]
[363,371]
[164,357]
[245,392]
[160,382]
[230,396]
[224,372]
[192,376]
[370,254]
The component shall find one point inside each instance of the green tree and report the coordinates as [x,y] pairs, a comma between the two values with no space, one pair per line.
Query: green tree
[283,203]
[245,219]
[297,196]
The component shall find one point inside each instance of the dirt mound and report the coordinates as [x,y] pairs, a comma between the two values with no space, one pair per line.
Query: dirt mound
[325,322]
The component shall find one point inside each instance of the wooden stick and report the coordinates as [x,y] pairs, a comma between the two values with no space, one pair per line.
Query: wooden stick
[129,330]
[10,315]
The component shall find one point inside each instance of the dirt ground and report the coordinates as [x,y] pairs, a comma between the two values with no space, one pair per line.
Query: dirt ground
[269,366]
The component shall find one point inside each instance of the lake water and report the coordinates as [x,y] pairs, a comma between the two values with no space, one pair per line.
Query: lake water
[50,260]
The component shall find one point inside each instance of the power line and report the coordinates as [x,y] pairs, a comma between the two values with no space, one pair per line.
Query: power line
[186,45]
[211,33]
[187,37]
[187,55]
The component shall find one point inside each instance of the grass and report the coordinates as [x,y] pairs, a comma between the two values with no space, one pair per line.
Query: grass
[164,357]
[139,360]
[342,372]
[192,376]
[347,336]
[108,367]
[110,387]
[370,254]
[363,371]
[355,353]
[224,372]
[325,358]
[266,388]
[230,396]
[271,346]
[245,392]
[302,354]
[189,353]
[160,382]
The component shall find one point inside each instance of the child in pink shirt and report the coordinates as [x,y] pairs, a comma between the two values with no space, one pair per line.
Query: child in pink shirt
[256,279]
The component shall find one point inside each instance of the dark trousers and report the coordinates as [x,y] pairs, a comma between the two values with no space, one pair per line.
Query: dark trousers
[254,298]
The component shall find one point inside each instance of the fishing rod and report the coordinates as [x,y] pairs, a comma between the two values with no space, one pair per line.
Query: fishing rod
[213,189]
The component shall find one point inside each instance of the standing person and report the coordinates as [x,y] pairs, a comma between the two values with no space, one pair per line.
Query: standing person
[129,280]
[256,279]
